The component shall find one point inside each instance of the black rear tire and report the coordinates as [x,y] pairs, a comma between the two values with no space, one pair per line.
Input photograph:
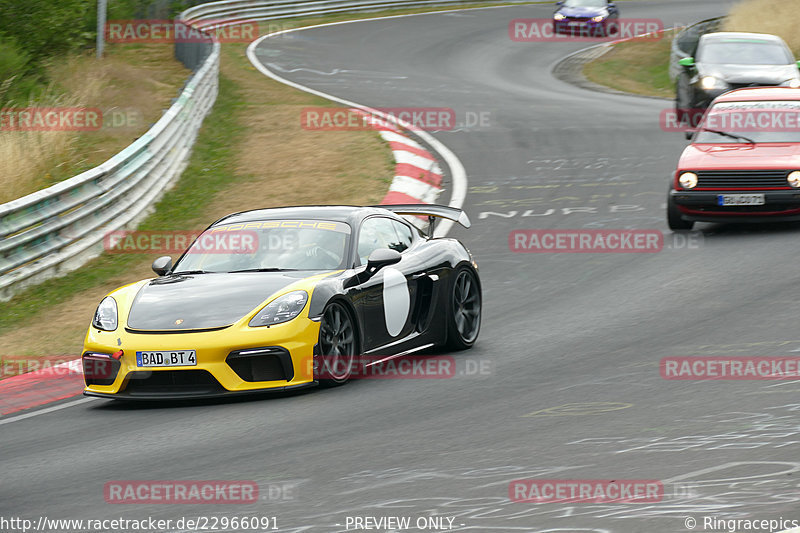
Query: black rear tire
[464,320]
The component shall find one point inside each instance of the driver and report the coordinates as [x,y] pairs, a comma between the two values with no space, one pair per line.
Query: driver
[313,249]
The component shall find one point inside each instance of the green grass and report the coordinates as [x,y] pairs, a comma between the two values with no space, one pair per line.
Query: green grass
[208,172]
[639,67]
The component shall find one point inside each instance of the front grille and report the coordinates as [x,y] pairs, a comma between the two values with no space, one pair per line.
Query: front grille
[175,382]
[272,363]
[742,179]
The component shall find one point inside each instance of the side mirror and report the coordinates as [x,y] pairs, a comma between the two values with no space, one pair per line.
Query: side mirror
[689,134]
[560,3]
[382,257]
[612,5]
[686,62]
[162,265]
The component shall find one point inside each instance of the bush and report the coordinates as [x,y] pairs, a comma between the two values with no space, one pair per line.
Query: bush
[44,28]
[34,31]
[14,65]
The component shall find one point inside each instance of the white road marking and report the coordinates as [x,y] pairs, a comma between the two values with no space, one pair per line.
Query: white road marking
[45,411]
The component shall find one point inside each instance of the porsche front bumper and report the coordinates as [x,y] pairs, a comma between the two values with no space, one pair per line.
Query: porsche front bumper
[229,361]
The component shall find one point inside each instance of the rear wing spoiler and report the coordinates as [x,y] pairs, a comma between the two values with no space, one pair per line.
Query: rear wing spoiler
[430,211]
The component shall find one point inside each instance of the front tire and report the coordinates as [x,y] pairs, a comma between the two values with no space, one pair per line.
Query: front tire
[338,346]
[674,219]
[464,322]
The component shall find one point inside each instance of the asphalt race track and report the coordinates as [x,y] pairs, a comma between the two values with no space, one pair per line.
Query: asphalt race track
[570,345]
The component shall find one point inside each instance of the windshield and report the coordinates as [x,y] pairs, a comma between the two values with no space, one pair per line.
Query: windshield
[760,122]
[268,245]
[585,3]
[743,52]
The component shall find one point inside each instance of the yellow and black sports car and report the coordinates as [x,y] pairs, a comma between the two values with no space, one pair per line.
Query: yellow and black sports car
[279,299]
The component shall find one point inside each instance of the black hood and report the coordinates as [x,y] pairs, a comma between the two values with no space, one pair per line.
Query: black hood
[203,301]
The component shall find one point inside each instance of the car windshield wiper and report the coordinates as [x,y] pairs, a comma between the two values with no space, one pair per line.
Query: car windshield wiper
[187,272]
[731,135]
[262,270]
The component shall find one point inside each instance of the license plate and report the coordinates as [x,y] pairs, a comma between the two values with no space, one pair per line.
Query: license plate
[171,358]
[576,23]
[740,199]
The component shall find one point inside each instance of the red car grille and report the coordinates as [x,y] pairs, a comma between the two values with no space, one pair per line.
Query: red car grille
[742,179]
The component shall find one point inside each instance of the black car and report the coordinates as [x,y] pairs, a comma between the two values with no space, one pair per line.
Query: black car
[284,298]
[724,61]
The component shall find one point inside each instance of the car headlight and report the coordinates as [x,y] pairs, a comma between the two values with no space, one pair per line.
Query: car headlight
[558,16]
[710,82]
[688,180]
[105,317]
[598,18]
[281,309]
[794,178]
[793,83]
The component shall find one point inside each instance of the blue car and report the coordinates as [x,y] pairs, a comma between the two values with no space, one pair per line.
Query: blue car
[586,18]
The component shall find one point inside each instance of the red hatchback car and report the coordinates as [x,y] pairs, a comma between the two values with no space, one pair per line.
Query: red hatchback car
[744,161]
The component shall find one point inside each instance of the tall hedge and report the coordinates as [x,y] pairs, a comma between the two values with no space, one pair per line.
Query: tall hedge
[34,31]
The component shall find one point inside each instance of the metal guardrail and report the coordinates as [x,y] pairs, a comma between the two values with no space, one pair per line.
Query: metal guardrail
[58,229]
[685,43]
[228,12]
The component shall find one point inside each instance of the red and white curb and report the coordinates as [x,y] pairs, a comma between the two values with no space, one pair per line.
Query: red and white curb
[34,389]
[418,177]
